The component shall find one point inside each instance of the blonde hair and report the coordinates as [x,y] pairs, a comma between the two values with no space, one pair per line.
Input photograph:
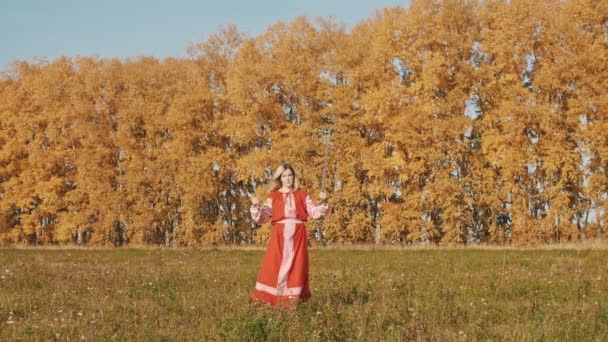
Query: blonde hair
[275,182]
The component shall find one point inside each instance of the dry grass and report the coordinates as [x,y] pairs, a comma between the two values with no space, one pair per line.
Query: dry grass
[362,293]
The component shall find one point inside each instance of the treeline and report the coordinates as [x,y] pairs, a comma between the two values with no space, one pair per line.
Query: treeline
[451,122]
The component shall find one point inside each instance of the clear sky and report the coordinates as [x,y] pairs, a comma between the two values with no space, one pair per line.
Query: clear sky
[129,28]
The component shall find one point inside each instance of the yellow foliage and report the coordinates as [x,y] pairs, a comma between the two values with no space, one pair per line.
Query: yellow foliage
[451,122]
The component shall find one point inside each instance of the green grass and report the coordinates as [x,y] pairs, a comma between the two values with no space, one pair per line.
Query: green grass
[398,294]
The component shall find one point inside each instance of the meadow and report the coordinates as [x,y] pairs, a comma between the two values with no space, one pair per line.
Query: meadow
[358,294]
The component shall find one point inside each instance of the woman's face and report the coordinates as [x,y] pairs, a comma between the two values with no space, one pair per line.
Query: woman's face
[287,178]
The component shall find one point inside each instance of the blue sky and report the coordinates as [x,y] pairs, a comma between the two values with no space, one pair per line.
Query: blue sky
[123,28]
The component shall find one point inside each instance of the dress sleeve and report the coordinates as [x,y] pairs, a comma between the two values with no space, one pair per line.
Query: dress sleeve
[262,215]
[316,211]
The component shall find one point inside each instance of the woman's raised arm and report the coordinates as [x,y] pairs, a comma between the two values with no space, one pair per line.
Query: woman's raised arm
[316,211]
[263,214]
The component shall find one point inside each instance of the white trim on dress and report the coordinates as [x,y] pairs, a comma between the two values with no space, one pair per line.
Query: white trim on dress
[292,291]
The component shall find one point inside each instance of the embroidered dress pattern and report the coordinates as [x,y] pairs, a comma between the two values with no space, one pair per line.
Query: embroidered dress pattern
[284,271]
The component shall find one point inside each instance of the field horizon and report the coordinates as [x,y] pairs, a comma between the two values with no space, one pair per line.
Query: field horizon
[576,245]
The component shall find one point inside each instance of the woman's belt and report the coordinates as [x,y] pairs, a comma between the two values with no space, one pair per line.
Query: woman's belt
[289,220]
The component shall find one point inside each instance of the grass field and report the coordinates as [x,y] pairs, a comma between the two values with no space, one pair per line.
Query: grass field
[365,294]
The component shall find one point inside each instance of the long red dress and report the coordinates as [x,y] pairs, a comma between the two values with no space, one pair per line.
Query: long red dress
[284,271]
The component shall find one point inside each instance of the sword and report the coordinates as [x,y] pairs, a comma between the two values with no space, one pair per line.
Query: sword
[323,182]
[325,162]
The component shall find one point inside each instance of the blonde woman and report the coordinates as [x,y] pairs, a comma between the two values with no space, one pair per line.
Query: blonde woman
[284,272]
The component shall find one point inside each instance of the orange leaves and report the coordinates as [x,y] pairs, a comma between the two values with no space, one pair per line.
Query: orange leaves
[167,152]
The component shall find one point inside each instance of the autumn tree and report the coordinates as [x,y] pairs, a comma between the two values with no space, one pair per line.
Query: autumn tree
[451,122]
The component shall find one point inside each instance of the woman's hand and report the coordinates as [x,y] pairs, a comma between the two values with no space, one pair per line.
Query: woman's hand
[255,201]
[323,197]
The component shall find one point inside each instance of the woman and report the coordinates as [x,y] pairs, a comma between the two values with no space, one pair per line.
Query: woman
[284,272]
